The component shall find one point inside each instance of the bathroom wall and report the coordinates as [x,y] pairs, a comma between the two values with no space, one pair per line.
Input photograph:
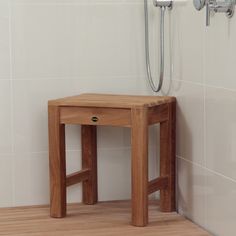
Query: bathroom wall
[55,48]
[202,67]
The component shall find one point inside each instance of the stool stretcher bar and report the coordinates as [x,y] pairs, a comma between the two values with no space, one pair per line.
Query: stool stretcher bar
[83,175]
[157,184]
[77,177]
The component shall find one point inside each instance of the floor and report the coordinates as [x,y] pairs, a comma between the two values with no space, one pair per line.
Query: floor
[103,219]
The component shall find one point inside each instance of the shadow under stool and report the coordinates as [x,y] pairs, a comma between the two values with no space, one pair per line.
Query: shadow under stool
[136,112]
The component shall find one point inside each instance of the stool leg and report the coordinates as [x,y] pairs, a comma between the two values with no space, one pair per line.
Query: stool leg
[89,161]
[57,164]
[167,160]
[139,167]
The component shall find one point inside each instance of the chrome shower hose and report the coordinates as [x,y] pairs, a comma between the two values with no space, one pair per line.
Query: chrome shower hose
[155,88]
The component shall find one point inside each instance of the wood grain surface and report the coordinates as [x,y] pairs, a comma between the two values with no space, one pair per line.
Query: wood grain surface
[139,143]
[57,163]
[104,116]
[136,112]
[89,161]
[110,100]
[102,219]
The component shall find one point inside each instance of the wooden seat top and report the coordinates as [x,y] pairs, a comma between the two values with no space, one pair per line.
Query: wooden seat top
[111,101]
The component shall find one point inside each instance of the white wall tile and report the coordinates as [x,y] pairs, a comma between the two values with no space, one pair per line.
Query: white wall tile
[74,193]
[190,120]
[192,190]
[77,40]
[39,178]
[4,40]
[46,51]
[73,161]
[22,180]
[221,210]
[26,190]
[221,131]
[30,111]
[153,162]
[5,117]
[73,139]
[6,180]
[110,84]
[116,137]
[73,164]
[113,137]
[220,56]
[114,170]
[188,42]
[30,179]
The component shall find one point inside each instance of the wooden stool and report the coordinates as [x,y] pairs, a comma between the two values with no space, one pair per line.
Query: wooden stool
[136,112]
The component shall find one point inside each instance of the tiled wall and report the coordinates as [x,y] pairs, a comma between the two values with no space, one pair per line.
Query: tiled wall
[203,69]
[57,48]
[54,48]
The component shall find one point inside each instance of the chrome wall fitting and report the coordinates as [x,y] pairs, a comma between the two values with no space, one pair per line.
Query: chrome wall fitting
[216,6]
[163,3]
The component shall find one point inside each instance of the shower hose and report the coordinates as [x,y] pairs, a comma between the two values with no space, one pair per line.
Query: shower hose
[155,88]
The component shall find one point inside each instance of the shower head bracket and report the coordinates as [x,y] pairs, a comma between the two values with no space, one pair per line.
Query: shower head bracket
[163,3]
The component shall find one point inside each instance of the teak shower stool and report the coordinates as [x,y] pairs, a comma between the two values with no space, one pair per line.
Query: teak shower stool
[136,112]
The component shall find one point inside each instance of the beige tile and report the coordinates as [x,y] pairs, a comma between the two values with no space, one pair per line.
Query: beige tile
[30,112]
[22,180]
[39,179]
[5,118]
[73,139]
[113,137]
[44,40]
[220,56]
[153,163]
[6,180]
[73,164]
[190,120]
[32,178]
[73,161]
[191,191]
[188,42]
[220,207]
[110,84]
[221,131]
[4,40]
[77,40]
[114,170]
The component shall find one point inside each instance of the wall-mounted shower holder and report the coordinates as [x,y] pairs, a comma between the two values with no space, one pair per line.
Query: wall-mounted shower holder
[215,6]
[163,3]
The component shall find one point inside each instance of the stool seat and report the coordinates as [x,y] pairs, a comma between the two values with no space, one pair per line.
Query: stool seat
[136,112]
[110,100]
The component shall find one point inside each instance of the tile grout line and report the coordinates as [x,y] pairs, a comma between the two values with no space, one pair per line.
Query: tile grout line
[79,149]
[81,77]
[204,61]
[11,101]
[203,84]
[118,77]
[82,3]
[205,168]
